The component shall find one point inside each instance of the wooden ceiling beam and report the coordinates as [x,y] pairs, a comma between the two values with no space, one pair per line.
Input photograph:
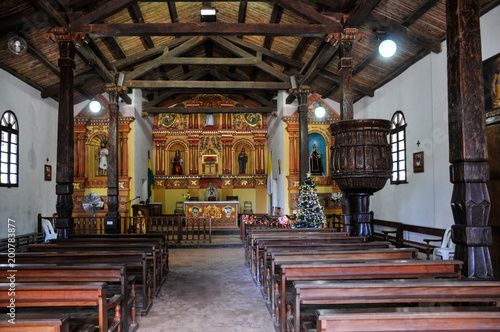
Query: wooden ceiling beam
[424,8]
[137,17]
[79,80]
[47,8]
[205,29]
[209,85]
[318,64]
[172,8]
[188,45]
[244,54]
[175,109]
[143,56]
[307,11]
[100,13]
[360,12]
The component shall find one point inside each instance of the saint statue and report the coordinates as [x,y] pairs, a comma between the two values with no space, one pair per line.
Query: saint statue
[242,161]
[103,158]
[495,84]
[315,163]
[177,163]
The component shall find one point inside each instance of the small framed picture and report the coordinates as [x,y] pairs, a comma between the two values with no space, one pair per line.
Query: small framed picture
[48,173]
[418,162]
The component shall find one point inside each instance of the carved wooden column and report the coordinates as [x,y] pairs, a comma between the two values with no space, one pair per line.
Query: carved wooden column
[65,162]
[124,153]
[469,169]
[112,222]
[302,93]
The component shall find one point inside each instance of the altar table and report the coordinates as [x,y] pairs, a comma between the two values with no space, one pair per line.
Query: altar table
[223,213]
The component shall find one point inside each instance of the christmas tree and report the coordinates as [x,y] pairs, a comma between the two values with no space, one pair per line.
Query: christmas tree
[309,211]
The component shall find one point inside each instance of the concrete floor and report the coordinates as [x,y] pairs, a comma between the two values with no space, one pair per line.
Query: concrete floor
[208,290]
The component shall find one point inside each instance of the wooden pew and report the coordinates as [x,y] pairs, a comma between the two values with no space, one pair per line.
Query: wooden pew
[399,319]
[149,249]
[60,295]
[259,244]
[278,259]
[35,323]
[319,294]
[116,273]
[159,242]
[264,260]
[255,232]
[130,259]
[289,272]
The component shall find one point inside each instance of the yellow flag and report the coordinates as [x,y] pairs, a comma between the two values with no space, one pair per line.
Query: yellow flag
[270,174]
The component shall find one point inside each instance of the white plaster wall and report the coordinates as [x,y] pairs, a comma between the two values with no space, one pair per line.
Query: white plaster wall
[143,142]
[421,93]
[37,119]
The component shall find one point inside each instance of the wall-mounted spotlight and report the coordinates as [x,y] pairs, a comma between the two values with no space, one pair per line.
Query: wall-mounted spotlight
[95,106]
[387,47]
[208,14]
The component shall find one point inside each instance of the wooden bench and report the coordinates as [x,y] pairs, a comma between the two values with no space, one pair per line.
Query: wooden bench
[250,234]
[399,319]
[259,243]
[61,295]
[130,259]
[278,259]
[268,249]
[319,294]
[289,272]
[21,241]
[158,240]
[422,235]
[35,322]
[82,273]
[149,249]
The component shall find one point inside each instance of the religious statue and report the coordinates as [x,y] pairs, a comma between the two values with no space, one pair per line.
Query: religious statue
[209,120]
[103,158]
[211,194]
[315,163]
[242,161]
[177,163]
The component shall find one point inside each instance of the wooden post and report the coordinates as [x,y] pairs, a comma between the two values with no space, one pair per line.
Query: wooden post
[113,217]
[469,169]
[302,94]
[65,129]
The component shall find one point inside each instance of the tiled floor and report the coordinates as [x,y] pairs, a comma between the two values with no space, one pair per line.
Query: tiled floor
[208,290]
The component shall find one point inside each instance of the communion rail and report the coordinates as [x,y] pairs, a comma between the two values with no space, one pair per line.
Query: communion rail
[175,228]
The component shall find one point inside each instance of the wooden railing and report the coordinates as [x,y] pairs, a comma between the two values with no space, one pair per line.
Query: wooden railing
[175,228]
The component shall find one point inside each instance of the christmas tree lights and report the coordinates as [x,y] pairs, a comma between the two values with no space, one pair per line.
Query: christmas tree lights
[309,212]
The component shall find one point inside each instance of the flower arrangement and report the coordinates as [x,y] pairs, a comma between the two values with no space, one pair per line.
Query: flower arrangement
[337,198]
[186,196]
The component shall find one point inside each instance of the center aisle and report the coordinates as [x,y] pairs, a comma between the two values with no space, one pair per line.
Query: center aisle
[208,290]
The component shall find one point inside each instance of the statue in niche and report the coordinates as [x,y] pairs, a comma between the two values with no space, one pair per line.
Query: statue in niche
[102,153]
[211,194]
[242,161]
[177,163]
[315,162]
[209,120]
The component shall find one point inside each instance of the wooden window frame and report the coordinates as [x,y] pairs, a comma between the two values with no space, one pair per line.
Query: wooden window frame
[398,126]
[9,129]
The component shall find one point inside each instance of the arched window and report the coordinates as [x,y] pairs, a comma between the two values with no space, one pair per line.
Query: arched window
[9,158]
[398,148]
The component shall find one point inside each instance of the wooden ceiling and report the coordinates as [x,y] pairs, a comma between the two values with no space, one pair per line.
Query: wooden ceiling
[252,49]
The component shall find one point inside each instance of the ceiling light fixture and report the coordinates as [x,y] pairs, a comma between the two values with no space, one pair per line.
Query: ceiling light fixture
[17,45]
[95,106]
[387,47]
[208,14]
[319,111]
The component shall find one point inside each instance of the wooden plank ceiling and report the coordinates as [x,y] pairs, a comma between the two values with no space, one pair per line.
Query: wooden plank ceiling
[252,49]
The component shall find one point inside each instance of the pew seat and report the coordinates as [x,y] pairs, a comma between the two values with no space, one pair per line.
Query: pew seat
[36,322]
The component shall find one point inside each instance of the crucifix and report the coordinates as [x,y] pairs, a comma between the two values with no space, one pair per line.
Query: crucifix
[210,163]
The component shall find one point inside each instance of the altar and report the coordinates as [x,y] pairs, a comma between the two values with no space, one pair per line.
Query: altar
[224,214]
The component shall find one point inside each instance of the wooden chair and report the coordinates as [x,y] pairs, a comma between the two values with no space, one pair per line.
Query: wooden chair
[247,207]
[179,209]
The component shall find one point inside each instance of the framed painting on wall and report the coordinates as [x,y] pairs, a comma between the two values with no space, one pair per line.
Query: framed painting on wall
[491,79]
[418,162]
[47,173]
